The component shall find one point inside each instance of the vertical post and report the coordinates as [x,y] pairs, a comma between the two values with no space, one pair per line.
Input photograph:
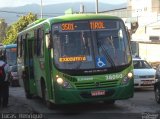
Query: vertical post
[96,6]
[81,8]
[41,10]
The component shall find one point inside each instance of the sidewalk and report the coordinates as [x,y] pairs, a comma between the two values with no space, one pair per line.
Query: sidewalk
[17,102]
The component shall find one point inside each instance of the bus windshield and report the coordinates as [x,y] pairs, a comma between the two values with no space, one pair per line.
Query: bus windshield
[93,44]
[11,57]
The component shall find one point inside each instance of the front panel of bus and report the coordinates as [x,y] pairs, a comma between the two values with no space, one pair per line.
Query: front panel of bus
[92,61]
[11,56]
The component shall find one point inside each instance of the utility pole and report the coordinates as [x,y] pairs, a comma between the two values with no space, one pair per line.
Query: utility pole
[96,6]
[81,8]
[41,10]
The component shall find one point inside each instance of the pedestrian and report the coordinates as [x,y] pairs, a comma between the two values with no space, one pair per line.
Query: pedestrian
[4,83]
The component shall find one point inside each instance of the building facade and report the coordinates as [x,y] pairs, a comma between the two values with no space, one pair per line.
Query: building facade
[147,14]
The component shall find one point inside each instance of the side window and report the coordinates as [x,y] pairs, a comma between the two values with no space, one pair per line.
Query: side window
[40,39]
[38,42]
[25,44]
[20,46]
[35,41]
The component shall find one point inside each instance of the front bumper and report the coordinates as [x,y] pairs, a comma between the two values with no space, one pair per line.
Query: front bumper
[144,83]
[78,96]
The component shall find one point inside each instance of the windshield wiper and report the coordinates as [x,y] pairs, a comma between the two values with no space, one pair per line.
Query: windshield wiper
[106,53]
[85,40]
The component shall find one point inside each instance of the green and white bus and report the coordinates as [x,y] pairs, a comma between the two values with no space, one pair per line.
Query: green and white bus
[76,58]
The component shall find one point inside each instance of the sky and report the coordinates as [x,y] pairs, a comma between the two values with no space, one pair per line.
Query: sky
[14,3]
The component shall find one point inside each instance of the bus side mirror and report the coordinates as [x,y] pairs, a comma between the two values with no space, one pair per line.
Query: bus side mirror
[48,40]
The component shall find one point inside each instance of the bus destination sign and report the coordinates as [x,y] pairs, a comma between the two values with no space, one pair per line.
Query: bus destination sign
[93,25]
[97,25]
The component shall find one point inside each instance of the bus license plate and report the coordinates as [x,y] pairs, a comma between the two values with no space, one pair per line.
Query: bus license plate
[98,93]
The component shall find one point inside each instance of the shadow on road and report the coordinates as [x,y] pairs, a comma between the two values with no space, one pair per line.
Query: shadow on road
[143,89]
[82,107]
[86,107]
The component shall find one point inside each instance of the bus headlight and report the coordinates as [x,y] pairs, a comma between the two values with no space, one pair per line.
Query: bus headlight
[63,83]
[130,75]
[60,81]
[127,78]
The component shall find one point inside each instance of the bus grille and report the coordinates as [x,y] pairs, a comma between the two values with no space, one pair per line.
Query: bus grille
[101,84]
[147,76]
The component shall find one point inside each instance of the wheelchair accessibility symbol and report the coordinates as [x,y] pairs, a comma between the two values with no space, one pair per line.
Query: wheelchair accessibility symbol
[100,62]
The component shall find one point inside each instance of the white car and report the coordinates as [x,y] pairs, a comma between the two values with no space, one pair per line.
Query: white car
[144,74]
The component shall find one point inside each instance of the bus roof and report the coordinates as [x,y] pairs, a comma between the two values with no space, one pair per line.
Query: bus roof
[10,46]
[72,17]
[69,17]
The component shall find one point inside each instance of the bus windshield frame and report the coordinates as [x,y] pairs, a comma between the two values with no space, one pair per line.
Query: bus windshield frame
[91,44]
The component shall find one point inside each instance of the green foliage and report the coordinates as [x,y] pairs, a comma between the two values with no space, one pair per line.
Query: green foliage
[3,27]
[12,31]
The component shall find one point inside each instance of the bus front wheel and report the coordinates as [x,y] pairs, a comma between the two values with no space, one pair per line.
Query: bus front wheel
[28,95]
[44,96]
[110,102]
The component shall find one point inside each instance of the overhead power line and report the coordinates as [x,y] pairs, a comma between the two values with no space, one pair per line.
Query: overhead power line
[58,13]
[13,12]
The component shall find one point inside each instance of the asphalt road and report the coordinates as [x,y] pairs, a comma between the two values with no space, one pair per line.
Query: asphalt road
[141,106]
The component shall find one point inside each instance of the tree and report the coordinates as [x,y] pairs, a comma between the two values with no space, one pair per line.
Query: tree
[12,31]
[3,27]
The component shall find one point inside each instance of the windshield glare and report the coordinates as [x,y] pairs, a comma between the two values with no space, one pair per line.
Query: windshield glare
[141,64]
[82,47]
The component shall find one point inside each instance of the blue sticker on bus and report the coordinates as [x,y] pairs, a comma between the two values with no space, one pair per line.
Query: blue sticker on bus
[100,62]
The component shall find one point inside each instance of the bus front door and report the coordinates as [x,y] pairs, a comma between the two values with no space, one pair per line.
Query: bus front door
[29,72]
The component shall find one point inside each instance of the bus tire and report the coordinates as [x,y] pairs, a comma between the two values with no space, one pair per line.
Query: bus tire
[49,105]
[44,98]
[28,95]
[110,102]
[43,90]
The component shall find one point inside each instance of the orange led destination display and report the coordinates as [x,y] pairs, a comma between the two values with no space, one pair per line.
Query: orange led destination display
[68,27]
[72,59]
[97,25]
[93,25]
